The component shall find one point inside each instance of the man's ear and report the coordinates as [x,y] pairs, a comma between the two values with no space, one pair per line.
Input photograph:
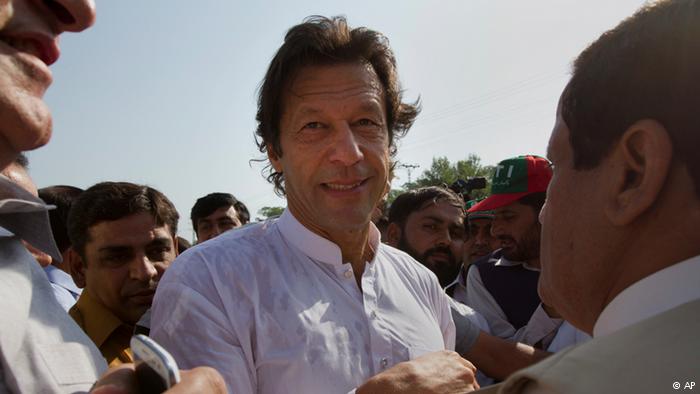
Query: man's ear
[175,245]
[77,268]
[274,159]
[640,164]
[393,234]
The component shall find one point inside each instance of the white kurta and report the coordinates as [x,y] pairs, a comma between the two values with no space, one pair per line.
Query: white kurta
[274,309]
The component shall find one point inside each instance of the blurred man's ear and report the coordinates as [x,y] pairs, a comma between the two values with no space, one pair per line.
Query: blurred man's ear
[175,245]
[393,234]
[77,268]
[639,167]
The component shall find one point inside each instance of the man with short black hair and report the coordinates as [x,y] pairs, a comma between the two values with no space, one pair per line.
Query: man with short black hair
[478,243]
[503,285]
[428,224]
[215,213]
[59,273]
[125,237]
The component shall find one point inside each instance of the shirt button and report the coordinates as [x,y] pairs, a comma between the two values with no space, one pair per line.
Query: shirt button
[373,315]
[384,362]
[348,274]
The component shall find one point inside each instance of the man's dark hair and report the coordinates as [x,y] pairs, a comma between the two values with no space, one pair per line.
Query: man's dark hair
[242,211]
[62,196]
[109,201]
[320,41]
[417,199]
[534,201]
[205,206]
[645,68]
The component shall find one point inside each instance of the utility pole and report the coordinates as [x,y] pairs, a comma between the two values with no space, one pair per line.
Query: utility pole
[409,168]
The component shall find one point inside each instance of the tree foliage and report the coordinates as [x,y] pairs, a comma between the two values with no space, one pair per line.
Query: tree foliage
[443,172]
[269,212]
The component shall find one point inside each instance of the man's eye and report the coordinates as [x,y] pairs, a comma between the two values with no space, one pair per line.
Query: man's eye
[116,259]
[366,122]
[158,253]
[313,125]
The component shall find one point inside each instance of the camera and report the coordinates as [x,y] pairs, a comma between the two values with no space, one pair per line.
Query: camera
[464,188]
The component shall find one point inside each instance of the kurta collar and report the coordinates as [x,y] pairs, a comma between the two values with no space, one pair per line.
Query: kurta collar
[315,246]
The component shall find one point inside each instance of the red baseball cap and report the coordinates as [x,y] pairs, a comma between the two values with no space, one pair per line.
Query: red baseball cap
[516,178]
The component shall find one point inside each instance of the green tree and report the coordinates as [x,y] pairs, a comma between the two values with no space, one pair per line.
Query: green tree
[442,171]
[269,212]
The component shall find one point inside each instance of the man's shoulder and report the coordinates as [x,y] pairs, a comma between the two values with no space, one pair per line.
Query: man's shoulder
[407,269]
[234,247]
[402,261]
[645,357]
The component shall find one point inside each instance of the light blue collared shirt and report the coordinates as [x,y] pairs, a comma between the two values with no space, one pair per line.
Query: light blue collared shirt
[64,288]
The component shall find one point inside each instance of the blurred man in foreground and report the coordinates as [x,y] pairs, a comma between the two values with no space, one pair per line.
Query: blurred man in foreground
[620,252]
[42,350]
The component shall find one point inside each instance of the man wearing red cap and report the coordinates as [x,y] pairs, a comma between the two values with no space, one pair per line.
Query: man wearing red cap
[503,285]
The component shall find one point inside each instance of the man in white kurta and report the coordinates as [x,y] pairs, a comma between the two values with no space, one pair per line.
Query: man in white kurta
[274,309]
[313,302]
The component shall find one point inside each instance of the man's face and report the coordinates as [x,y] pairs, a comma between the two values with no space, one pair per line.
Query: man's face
[479,241]
[335,146]
[434,235]
[124,259]
[576,268]
[223,219]
[28,45]
[517,231]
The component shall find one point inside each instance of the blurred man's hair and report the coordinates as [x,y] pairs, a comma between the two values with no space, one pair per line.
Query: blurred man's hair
[645,68]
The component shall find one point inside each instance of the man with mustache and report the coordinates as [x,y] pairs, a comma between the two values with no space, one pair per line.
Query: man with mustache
[503,285]
[428,224]
[125,237]
[479,243]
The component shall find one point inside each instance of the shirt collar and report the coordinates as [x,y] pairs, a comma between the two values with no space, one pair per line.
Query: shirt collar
[653,295]
[99,322]
[315,246]
[26,216]
[62,279]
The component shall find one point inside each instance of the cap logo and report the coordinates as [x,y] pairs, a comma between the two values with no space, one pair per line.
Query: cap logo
[510,177]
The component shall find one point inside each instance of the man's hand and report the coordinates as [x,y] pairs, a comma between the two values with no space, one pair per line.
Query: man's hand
[122,380]
[442,372]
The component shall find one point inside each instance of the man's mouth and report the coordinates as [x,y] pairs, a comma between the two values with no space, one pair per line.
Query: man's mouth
[343,186]
[38,45]
[143,296]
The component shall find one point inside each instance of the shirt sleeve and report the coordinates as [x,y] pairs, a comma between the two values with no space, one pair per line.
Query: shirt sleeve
[195,332]
[480,299]
[539,327]
[444,315]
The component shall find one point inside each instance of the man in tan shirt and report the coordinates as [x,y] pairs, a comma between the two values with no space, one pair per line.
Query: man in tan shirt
[125,236]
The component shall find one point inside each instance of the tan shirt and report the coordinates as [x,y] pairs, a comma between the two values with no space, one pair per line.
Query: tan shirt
[109,333]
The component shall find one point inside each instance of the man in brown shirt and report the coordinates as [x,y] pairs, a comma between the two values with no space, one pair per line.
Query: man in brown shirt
[125,236]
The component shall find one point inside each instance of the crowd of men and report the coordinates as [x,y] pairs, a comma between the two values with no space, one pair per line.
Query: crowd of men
[578,273]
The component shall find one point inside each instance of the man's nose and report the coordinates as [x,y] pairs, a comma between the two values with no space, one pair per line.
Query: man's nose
[142,269]
[346,149]
[71,15]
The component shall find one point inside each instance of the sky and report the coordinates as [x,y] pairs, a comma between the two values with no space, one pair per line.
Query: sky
[163,92]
